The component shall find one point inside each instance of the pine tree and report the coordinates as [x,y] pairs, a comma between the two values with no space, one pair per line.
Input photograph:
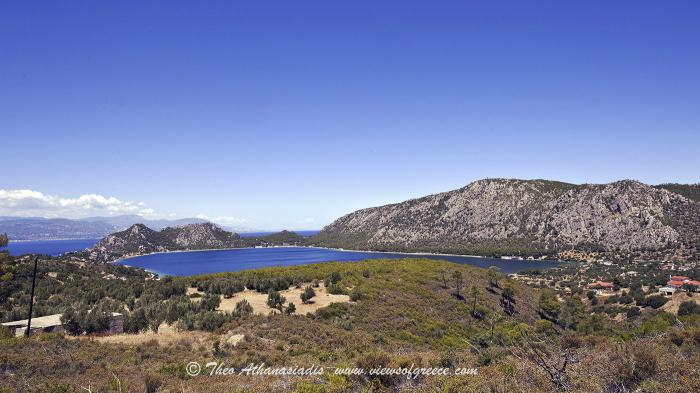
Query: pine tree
[549,304]
[508,299]
[475,296]
[459,283]
[493,275]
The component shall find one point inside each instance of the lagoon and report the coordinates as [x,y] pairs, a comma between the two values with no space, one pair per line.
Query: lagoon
[231,260]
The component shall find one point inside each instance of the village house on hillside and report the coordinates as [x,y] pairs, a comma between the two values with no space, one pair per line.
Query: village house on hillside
[601,287]
[52,324]
[678,283]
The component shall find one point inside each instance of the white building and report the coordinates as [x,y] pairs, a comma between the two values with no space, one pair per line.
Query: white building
[52,324]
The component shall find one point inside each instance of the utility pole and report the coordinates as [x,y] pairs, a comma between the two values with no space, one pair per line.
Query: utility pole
[31,298]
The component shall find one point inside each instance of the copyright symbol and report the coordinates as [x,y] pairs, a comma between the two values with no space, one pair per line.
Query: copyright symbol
[193,369]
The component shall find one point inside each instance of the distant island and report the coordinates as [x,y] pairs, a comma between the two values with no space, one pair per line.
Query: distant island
[140,239]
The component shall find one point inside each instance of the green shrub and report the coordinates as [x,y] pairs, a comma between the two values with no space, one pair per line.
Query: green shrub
[688,307]
[332,311]
[307,294]
[5,332]
[633,312]
[209,302]
[291,309]
[335,277]
[275,299]
[56,388]
[376,360]
[335,290]
[243,309]
[655,301]
[212,320]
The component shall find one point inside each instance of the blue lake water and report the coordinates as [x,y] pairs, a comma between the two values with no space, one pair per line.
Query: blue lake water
[49,247]
[202,262]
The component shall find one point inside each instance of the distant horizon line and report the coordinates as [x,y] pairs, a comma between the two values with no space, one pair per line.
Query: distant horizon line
[242,228]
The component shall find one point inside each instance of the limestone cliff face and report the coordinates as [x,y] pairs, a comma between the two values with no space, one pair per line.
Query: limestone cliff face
[205,235]
[139,239]
[521,216]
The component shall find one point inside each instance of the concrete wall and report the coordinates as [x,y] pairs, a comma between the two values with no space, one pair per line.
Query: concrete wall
[116,324]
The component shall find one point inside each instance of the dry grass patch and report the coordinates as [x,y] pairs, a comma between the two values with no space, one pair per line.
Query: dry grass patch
[192,291]
[167,335]
[679,297]
[197,294]
[259,300]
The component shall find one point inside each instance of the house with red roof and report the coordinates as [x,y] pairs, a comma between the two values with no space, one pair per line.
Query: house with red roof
[677,282]
[693,283]
[601,287]
[680,278]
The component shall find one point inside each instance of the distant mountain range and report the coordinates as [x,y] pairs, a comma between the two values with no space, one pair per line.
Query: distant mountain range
[37,228]
[625,220]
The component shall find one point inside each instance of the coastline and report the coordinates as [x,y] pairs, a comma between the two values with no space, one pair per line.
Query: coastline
[124,258]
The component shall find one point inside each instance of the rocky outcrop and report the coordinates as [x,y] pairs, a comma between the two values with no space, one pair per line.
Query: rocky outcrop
[139,239]
[198,236]
[506,216]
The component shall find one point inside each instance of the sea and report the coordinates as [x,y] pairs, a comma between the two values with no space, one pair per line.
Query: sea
[49,247]
[58,247]
[215,261]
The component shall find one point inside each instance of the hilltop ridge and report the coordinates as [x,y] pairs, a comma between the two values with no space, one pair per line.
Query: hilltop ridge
[623,219]
[140,239]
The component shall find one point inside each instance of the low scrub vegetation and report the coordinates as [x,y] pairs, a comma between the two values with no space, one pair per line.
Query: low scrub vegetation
[416,312]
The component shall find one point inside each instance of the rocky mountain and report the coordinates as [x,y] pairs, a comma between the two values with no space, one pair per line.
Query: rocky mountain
[39,228]
[140,239]
[621,220]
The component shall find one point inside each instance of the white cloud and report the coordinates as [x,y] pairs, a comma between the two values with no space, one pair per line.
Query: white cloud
[35,203]
[305,223]
[147,212]
[227,220]
[223,220]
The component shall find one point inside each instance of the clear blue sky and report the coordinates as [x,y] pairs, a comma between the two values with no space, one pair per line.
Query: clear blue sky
[292,113]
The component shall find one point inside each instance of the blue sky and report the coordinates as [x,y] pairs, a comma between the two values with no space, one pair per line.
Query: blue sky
[289,114]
